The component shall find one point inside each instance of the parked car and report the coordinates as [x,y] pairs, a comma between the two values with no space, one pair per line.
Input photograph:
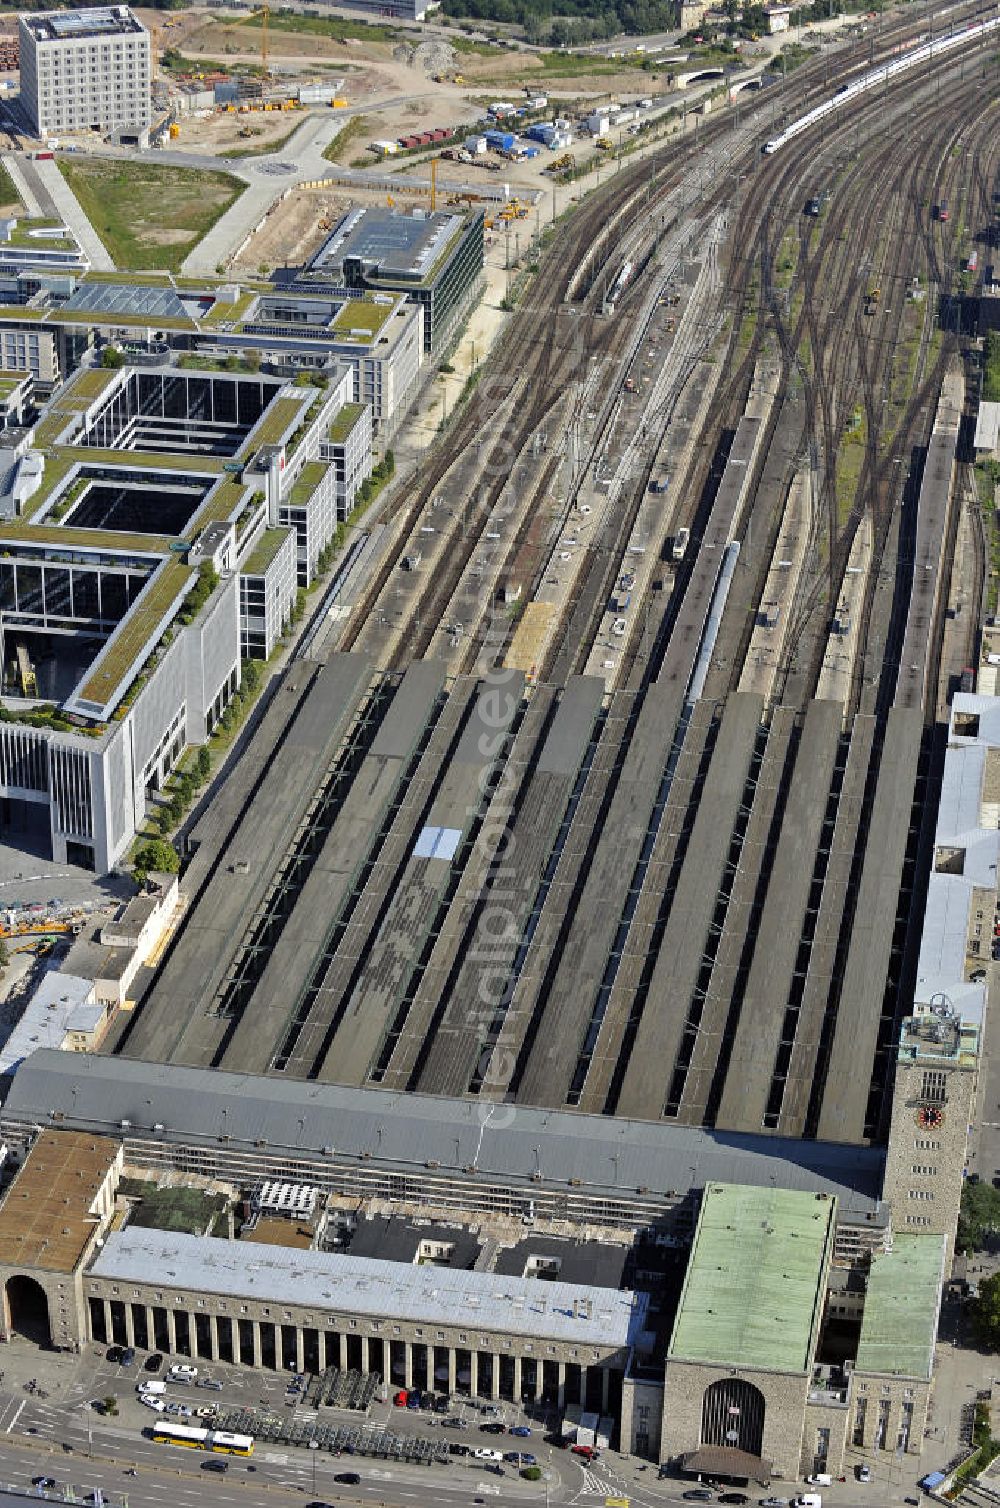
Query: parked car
[209,1382]
[521,1430]
[150,1401]
[773,1502]
[153,1363]
[737,1498]
[114,1355]
[181,1372]
[492,1427]
[128,1356]
[588,1452]
[520,1457]
[348,1478]
[863,1472]
[215,1465]
[697,1495]
[457,1449]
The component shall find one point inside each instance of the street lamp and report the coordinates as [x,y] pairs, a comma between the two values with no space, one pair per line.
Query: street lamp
[314,1447]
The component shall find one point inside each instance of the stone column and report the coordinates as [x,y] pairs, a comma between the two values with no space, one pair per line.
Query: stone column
[517,1379]
[561,1387]
[150,1328]
[407,1364]
[539,1379]
[583,1387]
[495,1377]
[129,1325]
[473,1374]
[213,1337]
[171,1332]
[109,1332]
[258,1349]
[321,1349]
[234,1330]
[343,1351]
[605,1389]
[300,1349]
[452,1370]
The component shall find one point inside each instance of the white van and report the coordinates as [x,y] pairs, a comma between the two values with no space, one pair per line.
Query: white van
[821,1479]
[808,1500]
[152,1388]
[483,1453]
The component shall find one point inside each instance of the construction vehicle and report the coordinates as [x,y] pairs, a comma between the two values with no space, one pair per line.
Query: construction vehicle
[604,144]
[561,163]
[871,300]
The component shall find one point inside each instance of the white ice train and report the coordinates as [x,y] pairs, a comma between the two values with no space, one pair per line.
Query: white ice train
[881,75]
[619,284]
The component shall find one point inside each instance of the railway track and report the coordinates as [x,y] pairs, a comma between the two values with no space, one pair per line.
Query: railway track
[539,353]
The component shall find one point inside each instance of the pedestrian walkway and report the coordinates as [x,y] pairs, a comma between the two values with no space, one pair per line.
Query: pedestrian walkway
[71,213]
[25,192]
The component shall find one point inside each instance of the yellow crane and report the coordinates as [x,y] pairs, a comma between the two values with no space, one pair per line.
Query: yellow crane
[434,164]
[265,17]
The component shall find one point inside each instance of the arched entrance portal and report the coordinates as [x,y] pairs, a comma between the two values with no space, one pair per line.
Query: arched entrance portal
[732,1413]
[27,1309]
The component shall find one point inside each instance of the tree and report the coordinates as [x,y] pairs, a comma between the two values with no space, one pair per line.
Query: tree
[155,854]
[979,1215]
[112,357]
[204,762]
[984,1312]
[4,953]
[250,676]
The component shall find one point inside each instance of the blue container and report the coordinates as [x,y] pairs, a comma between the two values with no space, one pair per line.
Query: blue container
[501,141]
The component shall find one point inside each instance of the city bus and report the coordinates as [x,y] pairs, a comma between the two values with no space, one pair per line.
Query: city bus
[218,1440]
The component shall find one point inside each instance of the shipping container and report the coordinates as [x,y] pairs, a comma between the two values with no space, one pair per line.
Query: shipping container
[500,141]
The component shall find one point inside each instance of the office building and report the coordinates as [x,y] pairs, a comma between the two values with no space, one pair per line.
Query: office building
[86,70]
[435,259]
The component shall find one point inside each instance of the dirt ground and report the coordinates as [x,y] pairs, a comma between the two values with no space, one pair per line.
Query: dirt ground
[292,233]
[223,134]
[376,71]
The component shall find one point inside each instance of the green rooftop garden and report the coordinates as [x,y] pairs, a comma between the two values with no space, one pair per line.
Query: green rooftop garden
[264,551]
[362,317]
[275,425]
[124,650]
[306,482]
[191,1211]
[10,382]
[345,421]
[225,312]
[22,235]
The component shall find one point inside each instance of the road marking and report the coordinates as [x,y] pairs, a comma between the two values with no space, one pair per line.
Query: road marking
[17,1415]
[275,1458]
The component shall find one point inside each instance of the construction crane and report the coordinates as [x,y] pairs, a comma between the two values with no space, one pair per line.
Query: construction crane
[265,17]
[434,164]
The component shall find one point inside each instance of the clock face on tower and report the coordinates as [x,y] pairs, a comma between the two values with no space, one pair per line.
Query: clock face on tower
[930,1117]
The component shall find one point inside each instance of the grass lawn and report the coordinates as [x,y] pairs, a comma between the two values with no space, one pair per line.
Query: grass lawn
[354,133]
[8,193]
[147,214]
[322,26]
